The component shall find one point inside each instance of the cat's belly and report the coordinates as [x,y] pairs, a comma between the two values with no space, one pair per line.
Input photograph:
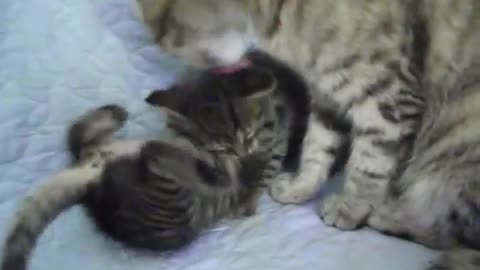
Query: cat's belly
[122,148]
[97,156]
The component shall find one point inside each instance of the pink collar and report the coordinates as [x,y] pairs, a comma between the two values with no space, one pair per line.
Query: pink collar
[242,64]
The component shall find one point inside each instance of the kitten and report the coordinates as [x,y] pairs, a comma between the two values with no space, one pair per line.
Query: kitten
[145,194]
[278,129]
[396,78]
[230,132]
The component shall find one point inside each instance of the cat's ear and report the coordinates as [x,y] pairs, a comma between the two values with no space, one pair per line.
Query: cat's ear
[167,98]
[256,87]
[150,10]
[257,84]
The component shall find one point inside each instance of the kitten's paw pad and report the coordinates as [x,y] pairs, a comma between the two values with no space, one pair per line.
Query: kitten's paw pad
[115,112]
[284,189]
[343,213]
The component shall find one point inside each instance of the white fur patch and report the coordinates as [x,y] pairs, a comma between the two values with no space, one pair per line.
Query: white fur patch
[228,48]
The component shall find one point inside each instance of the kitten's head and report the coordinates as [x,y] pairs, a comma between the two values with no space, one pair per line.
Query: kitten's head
[202,33]
[230,109]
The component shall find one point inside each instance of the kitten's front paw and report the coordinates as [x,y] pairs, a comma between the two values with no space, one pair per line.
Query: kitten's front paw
[114,112]
[343,212]
[288,190]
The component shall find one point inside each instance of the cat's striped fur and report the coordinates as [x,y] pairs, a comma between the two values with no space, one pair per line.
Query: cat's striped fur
[140,193]
[373,67]
[159,195]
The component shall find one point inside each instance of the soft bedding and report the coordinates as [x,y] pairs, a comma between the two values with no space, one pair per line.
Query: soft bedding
[59,58]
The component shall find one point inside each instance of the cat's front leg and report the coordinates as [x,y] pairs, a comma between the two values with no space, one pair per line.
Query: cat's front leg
[319,151]
[376,146]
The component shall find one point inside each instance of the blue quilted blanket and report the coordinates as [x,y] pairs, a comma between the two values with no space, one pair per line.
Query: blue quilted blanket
[60,58]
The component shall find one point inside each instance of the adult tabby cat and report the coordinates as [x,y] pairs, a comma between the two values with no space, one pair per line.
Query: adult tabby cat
[387,69]
[229,133]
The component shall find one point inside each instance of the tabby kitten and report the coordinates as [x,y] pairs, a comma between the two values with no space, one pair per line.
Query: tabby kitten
[379,71]
[159,195]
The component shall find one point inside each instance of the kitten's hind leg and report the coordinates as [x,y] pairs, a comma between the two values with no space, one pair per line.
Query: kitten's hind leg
[94,126]
[187,167]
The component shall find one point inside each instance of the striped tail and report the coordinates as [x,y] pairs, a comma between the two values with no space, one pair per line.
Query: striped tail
[63,190]
[40,208]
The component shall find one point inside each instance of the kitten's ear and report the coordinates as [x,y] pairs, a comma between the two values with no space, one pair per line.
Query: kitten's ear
[257,83]
[168,98]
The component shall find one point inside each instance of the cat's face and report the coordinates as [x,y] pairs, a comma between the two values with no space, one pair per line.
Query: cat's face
[230,109]
[202,33]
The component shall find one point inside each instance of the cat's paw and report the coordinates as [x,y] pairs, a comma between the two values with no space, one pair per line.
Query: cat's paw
[289,190]
[457,259]
[113,112]
[386,219]
[343,212]
[98,123]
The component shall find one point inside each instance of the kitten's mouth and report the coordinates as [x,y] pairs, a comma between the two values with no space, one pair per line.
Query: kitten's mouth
[241,65]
